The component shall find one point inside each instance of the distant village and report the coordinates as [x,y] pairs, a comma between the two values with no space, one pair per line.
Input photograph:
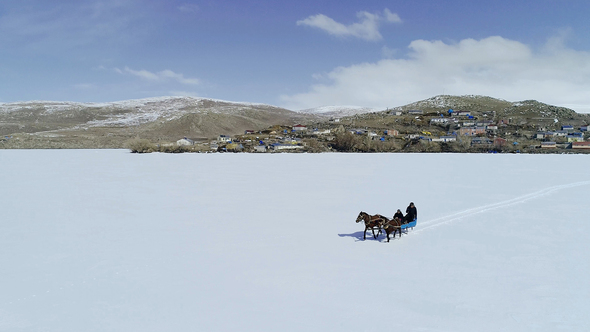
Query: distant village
[412,130]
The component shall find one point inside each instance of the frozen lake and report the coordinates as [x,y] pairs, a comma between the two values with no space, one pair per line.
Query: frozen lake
[106,240]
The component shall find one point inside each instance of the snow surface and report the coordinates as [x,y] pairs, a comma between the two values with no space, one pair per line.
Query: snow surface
[106,240]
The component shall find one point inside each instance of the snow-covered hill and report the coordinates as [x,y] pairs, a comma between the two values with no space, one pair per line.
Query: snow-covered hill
[456,102]
[338,111]
[166,119]
[475,103]
[136,111]
[106,240]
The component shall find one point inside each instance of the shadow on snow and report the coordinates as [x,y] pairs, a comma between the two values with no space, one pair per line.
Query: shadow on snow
[358,236]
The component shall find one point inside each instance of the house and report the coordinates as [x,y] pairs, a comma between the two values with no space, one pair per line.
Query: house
[498,142]
[415,112]
[444,139]
[299,127]
[449,138]
[584,128]
[483,123]
[560,133]
[492,127]
[575,137]
[248,132]
[462,113]
[213,146]
[260,148]
[581,145]
[480,141]
[291,140]
[471,131]
[548,145]
[279,146]
[224,139]
[567,127]
[439,121]
[544,134]
[321,131]
[391,132]
[185,141]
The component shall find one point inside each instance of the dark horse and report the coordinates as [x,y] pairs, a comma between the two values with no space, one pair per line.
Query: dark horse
[372,222]
[392,226]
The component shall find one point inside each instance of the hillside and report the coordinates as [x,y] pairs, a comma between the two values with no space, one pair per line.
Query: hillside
[473,126]
[527,116]
[163,121]
[39,124]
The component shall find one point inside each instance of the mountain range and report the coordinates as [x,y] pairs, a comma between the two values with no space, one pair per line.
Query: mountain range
[47,124]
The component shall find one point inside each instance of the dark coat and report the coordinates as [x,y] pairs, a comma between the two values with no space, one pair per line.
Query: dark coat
[399,215]
[411,213]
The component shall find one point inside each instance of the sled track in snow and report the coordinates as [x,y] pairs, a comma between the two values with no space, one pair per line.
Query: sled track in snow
[518,200]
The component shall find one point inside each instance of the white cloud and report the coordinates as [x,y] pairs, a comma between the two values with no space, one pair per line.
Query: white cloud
[161,76]
[177,77]
[367,28]
[392,17]
[493,66]
[387,52]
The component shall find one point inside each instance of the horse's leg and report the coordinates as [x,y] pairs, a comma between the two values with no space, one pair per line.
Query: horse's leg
[365,234]
[373,230]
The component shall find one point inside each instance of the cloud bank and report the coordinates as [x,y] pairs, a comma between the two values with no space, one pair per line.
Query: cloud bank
[367,28]
[494,66]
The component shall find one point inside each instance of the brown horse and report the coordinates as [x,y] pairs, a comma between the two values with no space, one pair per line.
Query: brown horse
[393,226]
[372,222]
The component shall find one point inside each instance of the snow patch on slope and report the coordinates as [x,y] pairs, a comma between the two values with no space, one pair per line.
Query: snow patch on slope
[338,111]
[136,111]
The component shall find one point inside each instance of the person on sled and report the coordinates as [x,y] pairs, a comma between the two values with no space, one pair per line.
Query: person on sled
[399,215]
[411,213]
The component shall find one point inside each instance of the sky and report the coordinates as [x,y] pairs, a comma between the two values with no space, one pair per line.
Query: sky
[188,251]
[297,55]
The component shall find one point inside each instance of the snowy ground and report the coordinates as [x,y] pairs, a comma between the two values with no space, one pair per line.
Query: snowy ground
[106,240]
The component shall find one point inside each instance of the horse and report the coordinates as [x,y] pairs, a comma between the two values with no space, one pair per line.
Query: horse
[371,221]
[393,226]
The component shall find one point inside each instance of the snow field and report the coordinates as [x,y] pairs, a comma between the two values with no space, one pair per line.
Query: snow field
[105,240]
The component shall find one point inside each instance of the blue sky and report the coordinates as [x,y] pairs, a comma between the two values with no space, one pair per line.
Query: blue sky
[298,54]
